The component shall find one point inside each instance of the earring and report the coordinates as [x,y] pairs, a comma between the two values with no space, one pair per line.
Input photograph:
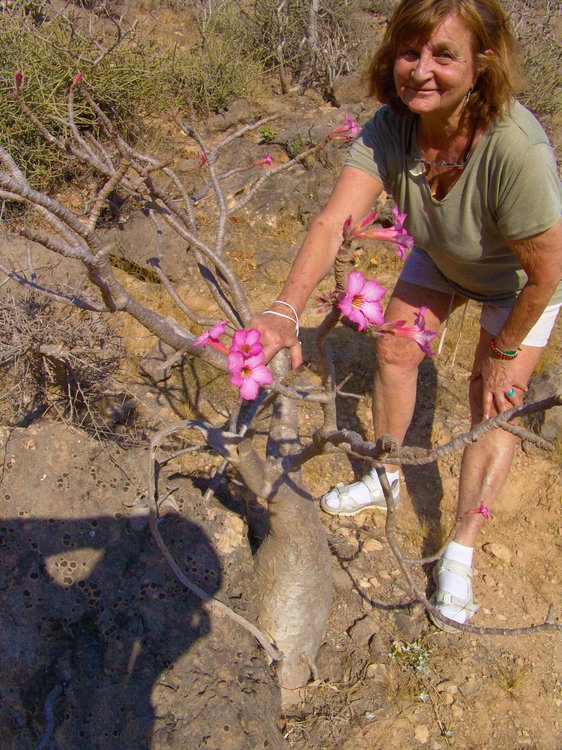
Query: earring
[469,94]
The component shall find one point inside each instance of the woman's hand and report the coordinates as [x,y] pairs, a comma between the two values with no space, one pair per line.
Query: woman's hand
[502,385]
[278,333]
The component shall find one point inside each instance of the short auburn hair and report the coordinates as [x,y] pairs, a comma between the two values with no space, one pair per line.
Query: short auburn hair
[493,43]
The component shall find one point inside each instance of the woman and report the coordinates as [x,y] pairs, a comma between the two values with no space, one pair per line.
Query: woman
[475,173]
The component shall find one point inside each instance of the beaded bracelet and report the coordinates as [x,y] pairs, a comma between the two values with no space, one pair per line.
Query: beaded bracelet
[499,353]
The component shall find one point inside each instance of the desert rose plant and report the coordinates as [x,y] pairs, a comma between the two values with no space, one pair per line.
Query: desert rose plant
[293,579]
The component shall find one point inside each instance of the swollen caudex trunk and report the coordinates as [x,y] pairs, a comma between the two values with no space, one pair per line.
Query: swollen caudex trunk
[293,564]
[293,569]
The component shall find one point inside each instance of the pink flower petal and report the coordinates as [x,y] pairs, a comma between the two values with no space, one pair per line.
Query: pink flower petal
[262,375]
[249,389]
[355,283]
[235,361]
[236,379]
[365,221]
[373,291]
[373,312]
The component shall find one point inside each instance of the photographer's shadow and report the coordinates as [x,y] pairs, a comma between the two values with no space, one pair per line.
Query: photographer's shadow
[90,605]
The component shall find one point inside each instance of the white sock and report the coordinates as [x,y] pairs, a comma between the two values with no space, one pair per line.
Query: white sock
[359,492]
[453,583]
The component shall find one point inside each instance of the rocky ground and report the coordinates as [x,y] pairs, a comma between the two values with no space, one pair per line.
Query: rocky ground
[102,648]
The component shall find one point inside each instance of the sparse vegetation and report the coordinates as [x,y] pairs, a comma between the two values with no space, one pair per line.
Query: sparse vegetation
[56,360]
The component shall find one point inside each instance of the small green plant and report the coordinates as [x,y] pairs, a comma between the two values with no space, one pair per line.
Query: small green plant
[294,147]
[414,655]
[267,134]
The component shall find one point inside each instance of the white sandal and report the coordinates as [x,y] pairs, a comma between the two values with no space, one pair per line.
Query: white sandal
[442,599]
[348,506]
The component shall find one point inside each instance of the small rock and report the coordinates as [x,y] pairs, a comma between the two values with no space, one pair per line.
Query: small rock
[446,686]
[328,664]
[341,578]
[469,688]
[138,520]
[422,733]
[500,551]
[374,583]
[447,699]
[372,545]
[375,670]
[378,520]
[377,649]
[362,629]
[409,626]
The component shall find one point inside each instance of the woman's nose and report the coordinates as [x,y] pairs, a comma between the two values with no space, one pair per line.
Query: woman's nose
[422,68]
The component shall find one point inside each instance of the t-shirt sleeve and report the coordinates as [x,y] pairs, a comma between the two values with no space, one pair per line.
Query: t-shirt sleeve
[368,152]
[529,194]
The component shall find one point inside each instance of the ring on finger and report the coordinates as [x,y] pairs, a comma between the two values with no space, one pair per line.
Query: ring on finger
[510,393]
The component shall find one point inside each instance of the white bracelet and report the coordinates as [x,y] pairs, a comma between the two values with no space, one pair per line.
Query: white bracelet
[282,302]
[282,315]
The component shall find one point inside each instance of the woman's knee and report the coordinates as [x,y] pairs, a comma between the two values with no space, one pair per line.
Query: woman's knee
[397,353]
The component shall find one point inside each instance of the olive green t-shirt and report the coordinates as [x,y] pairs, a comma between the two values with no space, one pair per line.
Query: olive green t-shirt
[508,190]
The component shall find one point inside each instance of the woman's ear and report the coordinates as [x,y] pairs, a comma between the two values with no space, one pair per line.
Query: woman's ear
[482,63]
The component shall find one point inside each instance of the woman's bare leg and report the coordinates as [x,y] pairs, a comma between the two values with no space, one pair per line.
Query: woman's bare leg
[398,359]
[486,464]
[484,469]
[394,395]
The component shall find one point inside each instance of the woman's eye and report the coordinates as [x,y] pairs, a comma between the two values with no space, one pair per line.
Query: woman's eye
[409,54]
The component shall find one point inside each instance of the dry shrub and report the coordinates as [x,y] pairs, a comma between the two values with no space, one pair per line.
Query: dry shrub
[57,360]
[534,23]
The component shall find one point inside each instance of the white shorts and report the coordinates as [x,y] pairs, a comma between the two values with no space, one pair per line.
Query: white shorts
[420,269]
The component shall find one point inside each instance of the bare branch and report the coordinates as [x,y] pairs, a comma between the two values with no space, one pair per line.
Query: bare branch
[51,294]
[390,532]
[218,607]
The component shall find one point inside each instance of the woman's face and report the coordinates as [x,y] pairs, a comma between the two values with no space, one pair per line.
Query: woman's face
[433,78]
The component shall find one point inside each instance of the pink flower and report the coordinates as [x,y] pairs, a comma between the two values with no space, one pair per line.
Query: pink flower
[417,332]
[482,509]
[360,302]
[212,337]
[248,374]
[397,233]
[18,76]
[345,132]
[266,160]
[203,159]
[247,343]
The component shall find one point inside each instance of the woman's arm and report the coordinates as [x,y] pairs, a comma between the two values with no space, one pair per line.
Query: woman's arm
[354,194]
[541,258]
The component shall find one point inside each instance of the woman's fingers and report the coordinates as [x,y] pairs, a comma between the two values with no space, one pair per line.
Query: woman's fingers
[277,334]
[296,355]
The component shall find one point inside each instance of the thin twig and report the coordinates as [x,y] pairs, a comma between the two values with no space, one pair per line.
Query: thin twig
[390,532]
[218,607]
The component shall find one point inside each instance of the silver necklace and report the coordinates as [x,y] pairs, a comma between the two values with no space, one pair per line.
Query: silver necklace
[429,162]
